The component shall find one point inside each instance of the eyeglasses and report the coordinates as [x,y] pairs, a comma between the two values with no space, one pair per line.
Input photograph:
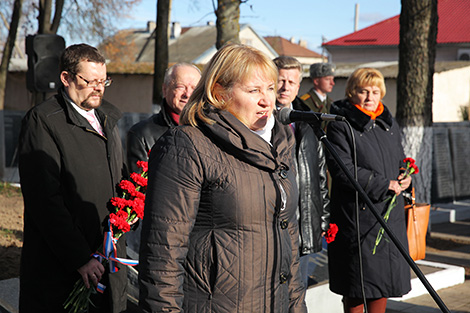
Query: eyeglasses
[95,83]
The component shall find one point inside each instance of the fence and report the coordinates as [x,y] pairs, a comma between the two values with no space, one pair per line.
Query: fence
[451,153]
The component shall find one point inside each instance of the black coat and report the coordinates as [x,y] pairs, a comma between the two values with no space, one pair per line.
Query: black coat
[220,232]
[68,172]
[143,135]
[314,201]
[140,139]
[379,159]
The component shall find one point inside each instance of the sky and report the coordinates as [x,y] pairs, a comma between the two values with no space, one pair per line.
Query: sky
[309,20]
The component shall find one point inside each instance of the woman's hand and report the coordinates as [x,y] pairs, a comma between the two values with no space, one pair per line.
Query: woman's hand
[404,183]
[395,187]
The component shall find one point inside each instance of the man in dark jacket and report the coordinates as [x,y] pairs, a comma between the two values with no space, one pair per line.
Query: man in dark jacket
[314,202]
[70,162]
[178,85]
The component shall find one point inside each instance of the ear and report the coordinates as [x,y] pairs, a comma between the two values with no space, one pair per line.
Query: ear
[219,93]
[65,78]
[315,81]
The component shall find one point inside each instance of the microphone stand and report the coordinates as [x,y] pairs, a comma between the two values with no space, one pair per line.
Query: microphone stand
[322,137]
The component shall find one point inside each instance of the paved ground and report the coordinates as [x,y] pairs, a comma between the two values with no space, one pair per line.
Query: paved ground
[456,298]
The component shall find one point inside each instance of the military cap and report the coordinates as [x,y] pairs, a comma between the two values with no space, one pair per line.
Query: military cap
[322,70]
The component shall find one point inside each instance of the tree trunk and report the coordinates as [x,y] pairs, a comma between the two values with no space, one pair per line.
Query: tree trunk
[44,16]
[161,48]
[228,26]
[7,51]
[417,54]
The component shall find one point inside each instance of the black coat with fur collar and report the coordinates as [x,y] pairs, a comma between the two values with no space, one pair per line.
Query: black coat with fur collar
[379,158]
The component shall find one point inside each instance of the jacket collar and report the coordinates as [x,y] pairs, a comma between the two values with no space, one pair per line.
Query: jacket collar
[243,144]
[358,119]
[107,113]
[165,115]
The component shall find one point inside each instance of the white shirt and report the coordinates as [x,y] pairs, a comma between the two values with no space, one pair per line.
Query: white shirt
[266,132]
[321,97]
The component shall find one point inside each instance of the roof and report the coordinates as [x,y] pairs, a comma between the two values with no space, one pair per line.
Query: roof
[390,69]
[192,45]
[285,47]
[453,27]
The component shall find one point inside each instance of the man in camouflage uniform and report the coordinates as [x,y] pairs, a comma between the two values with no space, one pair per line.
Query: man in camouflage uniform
[322,75]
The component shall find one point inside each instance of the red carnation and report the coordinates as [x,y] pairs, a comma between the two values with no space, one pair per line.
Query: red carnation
[409,160]
[139,179]
[143,165]
[127,186]
[331,233]
[118,220]
[138,207]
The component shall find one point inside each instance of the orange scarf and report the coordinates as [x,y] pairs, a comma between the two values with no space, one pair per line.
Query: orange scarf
[373,115]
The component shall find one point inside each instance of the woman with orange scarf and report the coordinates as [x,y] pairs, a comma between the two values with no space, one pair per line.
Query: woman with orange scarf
[373,153]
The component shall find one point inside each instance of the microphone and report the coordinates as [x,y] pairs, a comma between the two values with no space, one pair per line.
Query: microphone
[287,116]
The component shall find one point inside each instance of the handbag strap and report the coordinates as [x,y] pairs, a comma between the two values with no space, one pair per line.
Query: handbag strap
[413,199]
[413,203]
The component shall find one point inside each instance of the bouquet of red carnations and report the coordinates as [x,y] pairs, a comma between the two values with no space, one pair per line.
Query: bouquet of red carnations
[411,168]
[128,209]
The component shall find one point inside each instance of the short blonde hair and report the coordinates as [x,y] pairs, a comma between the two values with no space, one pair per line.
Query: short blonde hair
[364,77]
[233,63]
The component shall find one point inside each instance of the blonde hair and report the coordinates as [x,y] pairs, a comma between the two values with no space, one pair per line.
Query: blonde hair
[233,63]
[363,77]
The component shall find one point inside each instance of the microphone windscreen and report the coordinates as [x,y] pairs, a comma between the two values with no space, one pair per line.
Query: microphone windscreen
[284,116]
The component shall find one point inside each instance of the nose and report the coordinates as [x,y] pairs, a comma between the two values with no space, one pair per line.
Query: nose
[187,92]
[267,99]
[99,87]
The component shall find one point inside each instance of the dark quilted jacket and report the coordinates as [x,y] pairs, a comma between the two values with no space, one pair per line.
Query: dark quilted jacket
[220,232]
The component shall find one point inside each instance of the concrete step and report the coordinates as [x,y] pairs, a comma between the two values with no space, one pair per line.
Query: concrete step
[450,212]
[319,298]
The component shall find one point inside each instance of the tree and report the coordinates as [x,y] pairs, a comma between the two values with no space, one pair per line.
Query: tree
[8,49]
[161,48]
[417,54]
[46,25]
[84,19]
[228,26]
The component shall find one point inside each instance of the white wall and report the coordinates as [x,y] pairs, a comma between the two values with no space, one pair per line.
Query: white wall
[451,91]
[390,99]
[248,37]
[383,53]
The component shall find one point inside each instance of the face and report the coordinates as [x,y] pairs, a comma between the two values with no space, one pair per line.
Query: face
[253,101]
[288,85]
[180,88]
[324,85]
[367,97]
[76,87]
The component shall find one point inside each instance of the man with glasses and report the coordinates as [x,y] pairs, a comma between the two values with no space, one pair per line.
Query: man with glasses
[70,161]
